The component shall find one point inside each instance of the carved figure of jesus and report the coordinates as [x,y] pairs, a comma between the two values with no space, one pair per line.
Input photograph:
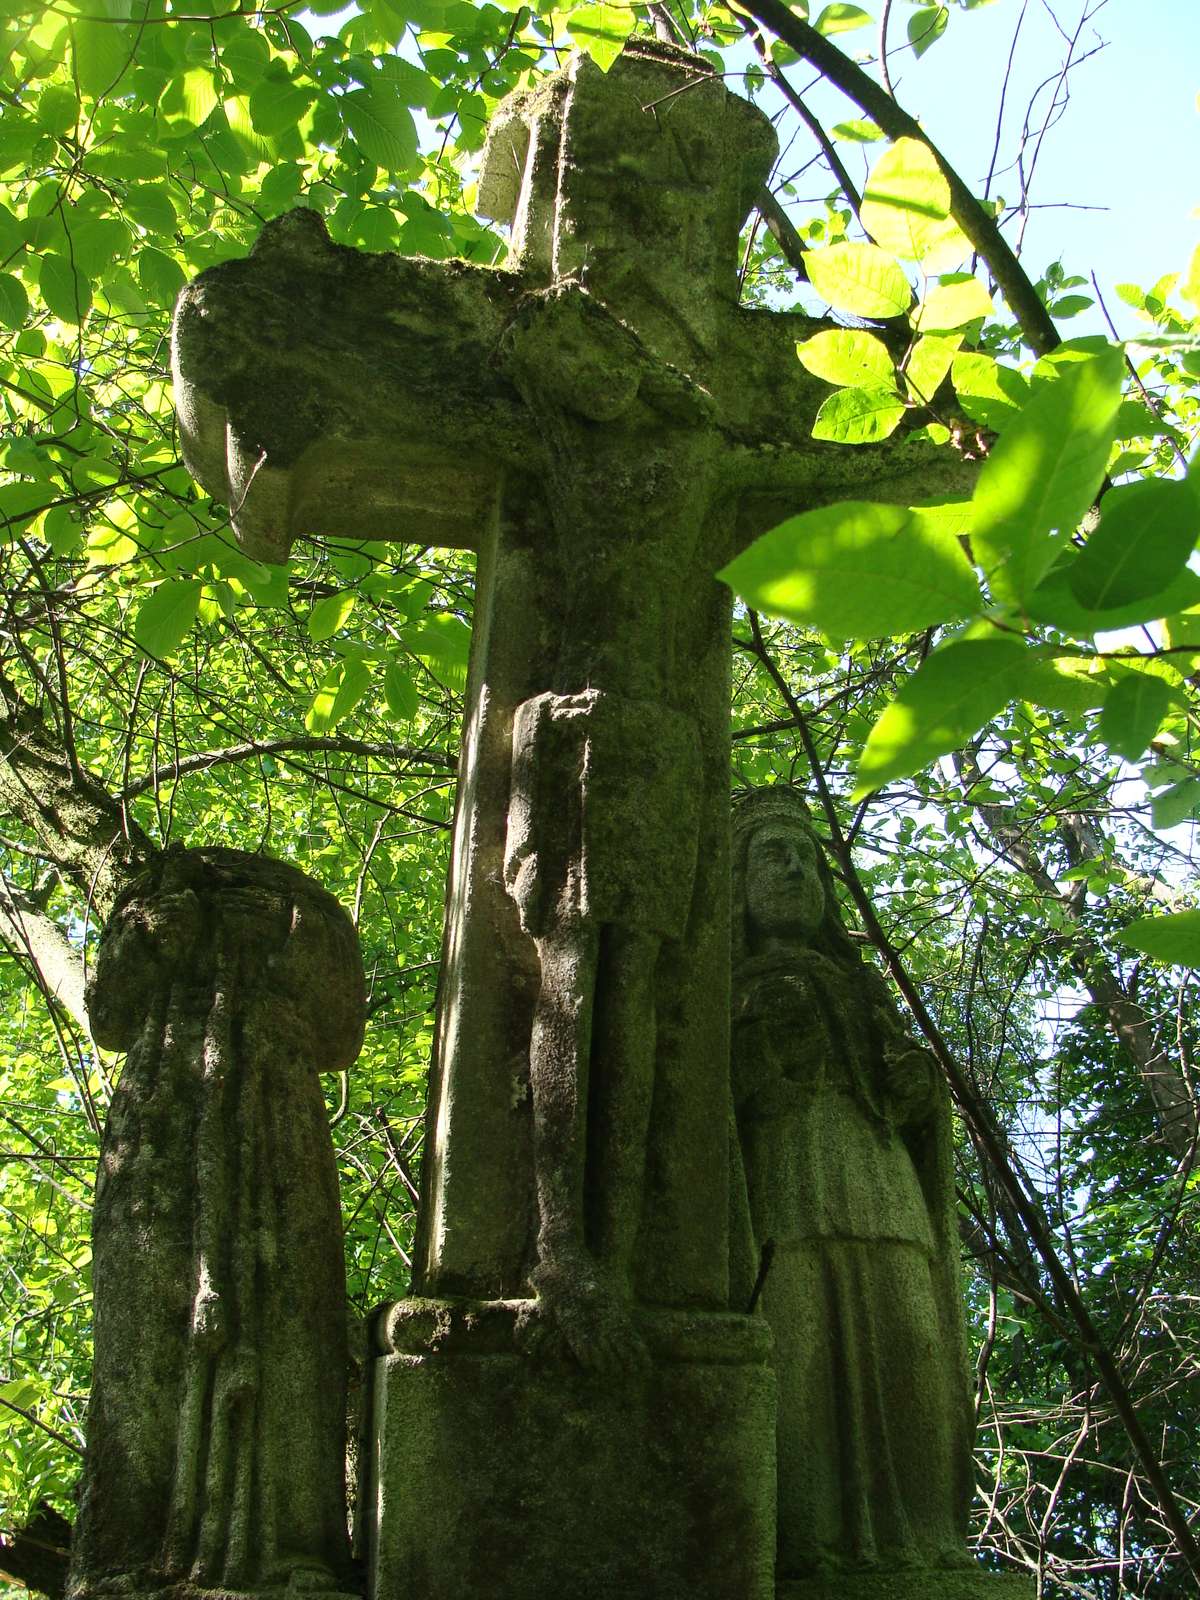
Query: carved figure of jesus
[599,884]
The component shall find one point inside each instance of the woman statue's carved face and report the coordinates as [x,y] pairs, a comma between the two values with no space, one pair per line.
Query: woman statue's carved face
[785,896]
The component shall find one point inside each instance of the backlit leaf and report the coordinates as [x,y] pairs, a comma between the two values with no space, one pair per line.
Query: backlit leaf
[859,569]
[906,208]
[166,617]
[1176,804]
[601,30]
[989,393]
[926,26]
[65,289]
[926,368]
[1043,474]
[382,128]
[952,304]
[400,693]
[847,356]
[1133,709]
[859,416]
[150,206]
[859,278]
[102,55]
[1174,938]
[859,130]
[342,687]
[1053,602]
[841,18]
[949,697]
[330,614]
[14,302]
[1146,533]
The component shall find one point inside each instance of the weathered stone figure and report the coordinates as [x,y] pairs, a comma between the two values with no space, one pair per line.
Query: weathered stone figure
[216,1431]
[601,870]
[844,1125]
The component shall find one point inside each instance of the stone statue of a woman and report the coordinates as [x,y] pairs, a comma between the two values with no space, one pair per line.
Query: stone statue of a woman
[844,1133]
[216,1429]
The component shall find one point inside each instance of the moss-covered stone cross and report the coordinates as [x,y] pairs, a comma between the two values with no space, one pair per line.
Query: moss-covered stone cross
[606,426]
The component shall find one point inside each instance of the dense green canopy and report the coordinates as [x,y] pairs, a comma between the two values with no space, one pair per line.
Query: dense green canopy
[1008,785]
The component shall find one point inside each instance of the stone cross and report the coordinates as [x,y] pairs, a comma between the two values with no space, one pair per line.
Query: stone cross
[603,423]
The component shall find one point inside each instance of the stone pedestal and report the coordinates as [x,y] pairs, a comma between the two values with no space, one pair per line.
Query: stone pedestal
[497,1473]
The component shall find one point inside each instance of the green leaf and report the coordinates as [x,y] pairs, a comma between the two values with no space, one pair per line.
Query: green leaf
[62,532]
[859,130]
[1052,602]
[1174,938]
[102,54]
[989,393]
[958,299]
[382,128]
[601,30]
[66,291]
[411,86]
[443,643]
[57,109]
[1176,804]
[342,687]
[1132,295]
[97,243]
[149,205]
[929,362]
[926,27]
[330,614]
[841,18]
[166,617]
[1043,474]
[199,95]
[20,503]
[859,416]
[950,697]
[859,278]
[277,104]
[400,692]
[1061,683]
[14,302]
[848,356]
[1133,709]
[160,276]
[1070,305]
[906,208]
[245,55]
[1146,533]
[858,570]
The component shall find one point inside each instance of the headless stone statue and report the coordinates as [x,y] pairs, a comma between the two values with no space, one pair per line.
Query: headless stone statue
[601,870]
[216,1429]
[844,1126]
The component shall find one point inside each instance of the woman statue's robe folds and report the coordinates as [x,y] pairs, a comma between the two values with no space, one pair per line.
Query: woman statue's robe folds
[845,1142]
[216,1428]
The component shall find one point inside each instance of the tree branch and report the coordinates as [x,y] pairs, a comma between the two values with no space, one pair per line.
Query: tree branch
[58,965]
[81,829]
[979,227]
[336,745]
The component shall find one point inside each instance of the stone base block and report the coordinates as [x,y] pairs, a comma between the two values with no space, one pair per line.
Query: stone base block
[502,1474]
[959,1583]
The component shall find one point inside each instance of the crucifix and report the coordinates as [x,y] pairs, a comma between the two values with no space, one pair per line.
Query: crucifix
[604,424]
